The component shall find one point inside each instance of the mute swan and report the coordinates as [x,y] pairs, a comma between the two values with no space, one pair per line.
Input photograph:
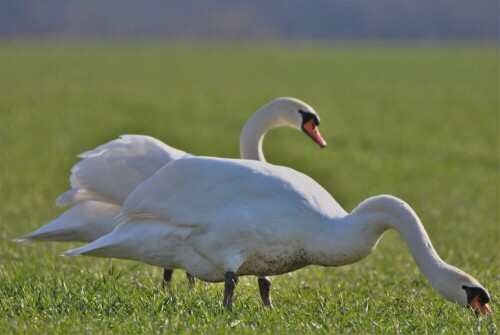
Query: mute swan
[105,177]
[221,218]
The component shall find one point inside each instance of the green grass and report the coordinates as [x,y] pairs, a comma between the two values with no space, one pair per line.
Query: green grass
[418,122]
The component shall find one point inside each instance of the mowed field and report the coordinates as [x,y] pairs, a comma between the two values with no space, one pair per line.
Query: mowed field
[417,122]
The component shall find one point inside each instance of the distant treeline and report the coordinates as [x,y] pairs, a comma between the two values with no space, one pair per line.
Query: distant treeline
[253,19]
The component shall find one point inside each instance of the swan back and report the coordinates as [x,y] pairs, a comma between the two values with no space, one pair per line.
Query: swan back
[199,189]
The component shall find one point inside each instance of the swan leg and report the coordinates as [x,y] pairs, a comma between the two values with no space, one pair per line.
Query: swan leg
[265,291]
[190,279]
[167,276]
[230,283]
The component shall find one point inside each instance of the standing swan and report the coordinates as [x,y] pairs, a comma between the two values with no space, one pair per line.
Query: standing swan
[101,182]
[221,218]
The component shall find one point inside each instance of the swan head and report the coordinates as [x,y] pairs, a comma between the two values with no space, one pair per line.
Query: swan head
[459,287]
[299,115]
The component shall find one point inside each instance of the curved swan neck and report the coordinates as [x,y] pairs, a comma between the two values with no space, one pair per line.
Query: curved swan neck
[254,131]
[384,212]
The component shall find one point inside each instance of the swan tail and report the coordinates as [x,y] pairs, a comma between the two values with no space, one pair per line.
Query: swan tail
[112,245]
[45,235]
[137,240]
[96,249]
[84,222]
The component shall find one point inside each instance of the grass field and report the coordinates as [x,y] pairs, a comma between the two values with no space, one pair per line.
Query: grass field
[418,122]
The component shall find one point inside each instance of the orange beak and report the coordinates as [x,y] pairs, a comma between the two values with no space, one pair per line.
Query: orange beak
[479,308]
[312,130]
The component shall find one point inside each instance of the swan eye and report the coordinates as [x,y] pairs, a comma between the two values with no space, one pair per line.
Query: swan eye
[472,292]
[307,116]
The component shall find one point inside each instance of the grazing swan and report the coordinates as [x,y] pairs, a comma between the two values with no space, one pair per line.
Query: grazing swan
[107,175]
[222,218]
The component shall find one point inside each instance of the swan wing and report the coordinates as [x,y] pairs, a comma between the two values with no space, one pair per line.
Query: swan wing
[206,191]
[111,171]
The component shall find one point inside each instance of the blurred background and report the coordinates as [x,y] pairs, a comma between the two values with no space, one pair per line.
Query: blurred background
[257,21]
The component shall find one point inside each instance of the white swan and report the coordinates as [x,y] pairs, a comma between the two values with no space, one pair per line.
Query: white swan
[105,177]
[219,219]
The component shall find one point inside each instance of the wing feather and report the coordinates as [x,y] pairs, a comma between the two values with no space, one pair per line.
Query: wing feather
[111,171]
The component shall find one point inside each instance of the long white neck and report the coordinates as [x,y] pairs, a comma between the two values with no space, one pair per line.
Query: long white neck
[254,131]
[350,238]
[380,213]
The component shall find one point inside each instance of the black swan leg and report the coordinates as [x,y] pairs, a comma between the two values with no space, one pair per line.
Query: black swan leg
[230,284]
[190,280]
[265,291]
[167,276]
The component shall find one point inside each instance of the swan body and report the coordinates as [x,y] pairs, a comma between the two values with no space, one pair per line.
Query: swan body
[106,175]
[221,218]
